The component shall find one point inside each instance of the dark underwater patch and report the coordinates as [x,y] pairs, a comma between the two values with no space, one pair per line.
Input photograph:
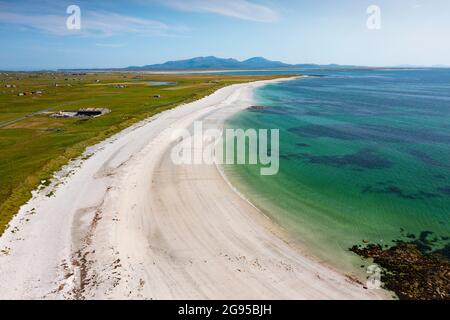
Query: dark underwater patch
[427,242]
[394,134]
[302,145]
[364,159]
[318,131]
[370,132]
[315,113]
[445,190]
[394,190]
[428,160]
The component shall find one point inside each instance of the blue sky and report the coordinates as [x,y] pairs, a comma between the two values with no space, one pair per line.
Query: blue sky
[116,33]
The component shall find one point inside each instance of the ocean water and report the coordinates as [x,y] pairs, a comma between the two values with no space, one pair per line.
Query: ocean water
[365,156]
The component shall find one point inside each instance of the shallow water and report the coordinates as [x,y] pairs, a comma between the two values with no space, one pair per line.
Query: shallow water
[161,83]
[364,155]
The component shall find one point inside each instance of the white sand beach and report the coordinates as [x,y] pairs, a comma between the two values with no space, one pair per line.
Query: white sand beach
[124,222]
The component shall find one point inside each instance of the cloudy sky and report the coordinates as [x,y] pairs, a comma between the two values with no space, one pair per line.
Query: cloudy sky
[116,33]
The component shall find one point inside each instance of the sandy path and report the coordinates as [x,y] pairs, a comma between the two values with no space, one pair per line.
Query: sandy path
[128,223]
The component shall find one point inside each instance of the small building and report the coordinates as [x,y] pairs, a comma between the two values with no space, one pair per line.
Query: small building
[81,113]
[157,96]
[64,114]
[21,94]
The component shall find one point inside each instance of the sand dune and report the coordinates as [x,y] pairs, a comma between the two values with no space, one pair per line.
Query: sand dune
[128,223]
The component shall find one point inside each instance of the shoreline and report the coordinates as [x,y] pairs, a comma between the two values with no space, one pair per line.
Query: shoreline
[128,223]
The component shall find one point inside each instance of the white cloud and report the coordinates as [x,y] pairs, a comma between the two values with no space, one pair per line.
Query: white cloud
[47,23]
[92,24]
[111,24]
[241,9]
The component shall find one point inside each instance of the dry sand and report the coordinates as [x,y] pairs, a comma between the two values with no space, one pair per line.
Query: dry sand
[125,222]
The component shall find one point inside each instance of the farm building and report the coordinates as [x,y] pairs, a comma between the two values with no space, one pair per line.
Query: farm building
[82,113]
[21,94]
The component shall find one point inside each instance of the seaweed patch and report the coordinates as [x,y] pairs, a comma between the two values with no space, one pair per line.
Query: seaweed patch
[428,160]
[364,159]
[370,132]
[445,190]
[394,190]
[413,269]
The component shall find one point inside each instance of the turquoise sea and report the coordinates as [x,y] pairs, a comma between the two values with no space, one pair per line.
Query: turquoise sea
[365,156]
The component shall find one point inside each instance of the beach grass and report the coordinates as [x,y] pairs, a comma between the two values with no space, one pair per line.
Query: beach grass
[35,145]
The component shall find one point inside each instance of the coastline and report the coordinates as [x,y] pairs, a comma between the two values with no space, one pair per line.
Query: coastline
[127,223]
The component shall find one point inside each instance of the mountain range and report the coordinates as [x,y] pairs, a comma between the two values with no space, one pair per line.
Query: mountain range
[211,63]
[214,63]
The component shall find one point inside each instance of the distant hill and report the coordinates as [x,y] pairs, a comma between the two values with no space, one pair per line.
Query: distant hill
[194,63]
[211,63]
[261,63]
[413,66]
[214,63]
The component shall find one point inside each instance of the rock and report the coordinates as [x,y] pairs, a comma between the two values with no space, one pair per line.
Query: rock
[410,270]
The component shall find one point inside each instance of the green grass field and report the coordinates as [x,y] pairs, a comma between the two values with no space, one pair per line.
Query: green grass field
[34,145]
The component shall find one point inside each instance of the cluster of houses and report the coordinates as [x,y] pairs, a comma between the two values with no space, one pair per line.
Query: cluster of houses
[25,93]
[61,85]
[81,113]
[30,93]
[57,75]
[72,79]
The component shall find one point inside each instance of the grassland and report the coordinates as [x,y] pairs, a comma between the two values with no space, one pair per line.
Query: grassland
[34,145]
